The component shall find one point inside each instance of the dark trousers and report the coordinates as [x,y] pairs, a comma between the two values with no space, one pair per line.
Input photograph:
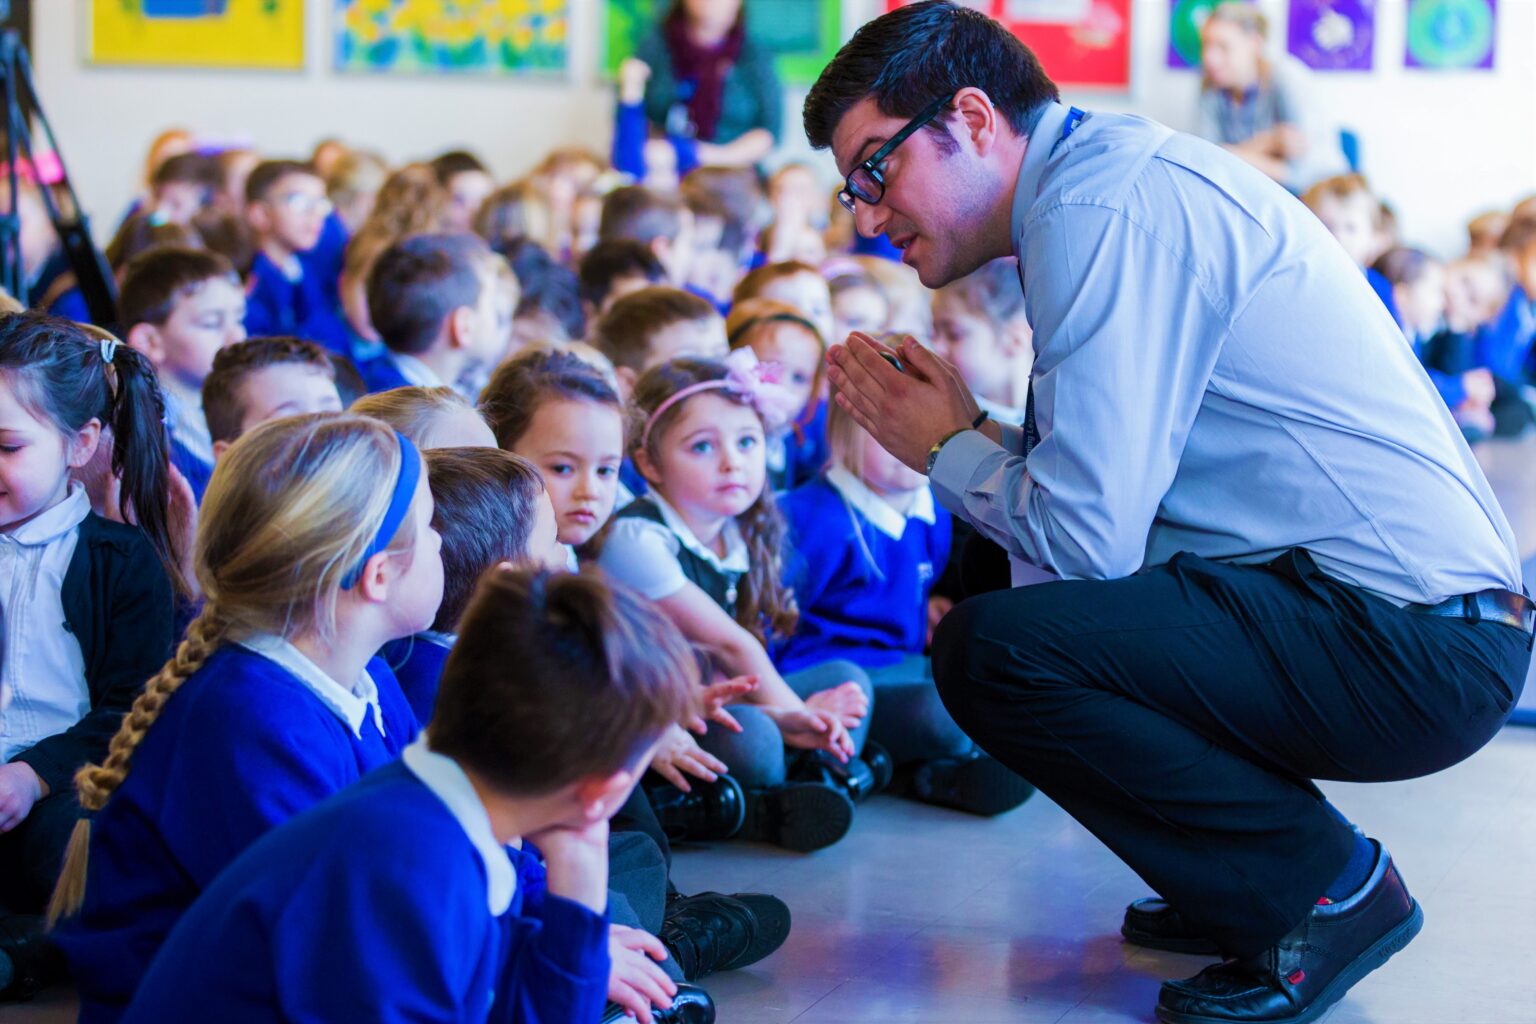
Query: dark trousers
[1181,714]
[32,853]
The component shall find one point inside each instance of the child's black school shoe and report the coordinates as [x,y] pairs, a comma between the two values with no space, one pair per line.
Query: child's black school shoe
[856,777]
[712,810]
[1157,924]
[691,1005]
[880,764]
[799,816]
[29,962]
[710,931]
[978,783]
[1300,977]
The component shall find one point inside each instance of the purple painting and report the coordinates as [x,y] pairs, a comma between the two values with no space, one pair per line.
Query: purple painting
[1333,35]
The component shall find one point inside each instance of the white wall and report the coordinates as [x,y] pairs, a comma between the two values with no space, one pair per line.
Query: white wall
[1440,146]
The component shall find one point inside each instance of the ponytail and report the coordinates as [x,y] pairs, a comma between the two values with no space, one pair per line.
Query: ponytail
[95,784]
[141,454]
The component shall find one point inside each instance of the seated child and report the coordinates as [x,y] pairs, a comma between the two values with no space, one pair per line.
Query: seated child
[443,310]
[1507,344]
[706,545]
[778,333]
[612,270]
[265,379]
[183,187]
[1484,232]
[286,209]
[979,325]
[412,888]
[797,284]
[869,543]
[858,303]
[430,417]
[315,548]
[467,183]
[92,598]
[1353,215]
[179,307]
[660,221]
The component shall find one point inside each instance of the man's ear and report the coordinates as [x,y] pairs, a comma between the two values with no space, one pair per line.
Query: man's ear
[147,340]
[976,119]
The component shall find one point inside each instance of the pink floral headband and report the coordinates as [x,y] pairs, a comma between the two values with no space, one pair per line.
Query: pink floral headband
[759,383]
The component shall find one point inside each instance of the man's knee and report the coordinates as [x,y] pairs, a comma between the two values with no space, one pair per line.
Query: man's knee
[990,646]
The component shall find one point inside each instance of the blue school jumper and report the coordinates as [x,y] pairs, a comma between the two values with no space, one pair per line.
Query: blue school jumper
[870,609]
[1506,345]
[277,306]
[197,472]
[323,263]
[417,662]
[243,745]
[806,452]
[382,373]
[378,906]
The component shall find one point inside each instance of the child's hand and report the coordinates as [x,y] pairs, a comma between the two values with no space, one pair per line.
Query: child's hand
[634,982]
[848,702]
[20,790]
[938,607]
[679,753]
[716,696]
[576,861]
[810,729]
[633,74]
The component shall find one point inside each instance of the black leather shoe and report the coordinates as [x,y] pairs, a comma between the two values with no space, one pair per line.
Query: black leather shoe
[34,961]
[799,816]
[880,764]
[978,783]
[710,931]
[856,777]
[713,810]
[1305,973]
[1155,924]
[691,1005]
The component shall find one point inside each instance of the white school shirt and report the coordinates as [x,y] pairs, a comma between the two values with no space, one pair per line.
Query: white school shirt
[189,425]
[642,554]
[447,781]
[350,704]
[44,671]
[882,515]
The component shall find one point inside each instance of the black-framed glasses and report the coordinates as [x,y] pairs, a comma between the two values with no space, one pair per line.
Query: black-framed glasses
[866,182]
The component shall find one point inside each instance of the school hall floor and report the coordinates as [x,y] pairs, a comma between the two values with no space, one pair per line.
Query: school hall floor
[925,915]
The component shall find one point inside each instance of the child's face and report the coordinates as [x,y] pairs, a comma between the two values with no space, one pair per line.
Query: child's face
[35,459]
[293,214]
[798,354]
[715,272]
[988,355]
[860,309]
[180,201]
[577,447]
[1421,305]
[809,294]
[467,191]
[711,461]
[491,335]
[1352,220]
[458,427]
[287,389]
[418,590]
[202,323]
[885,474]
[1473,292]
[677,254]
[697,339]
[544,546]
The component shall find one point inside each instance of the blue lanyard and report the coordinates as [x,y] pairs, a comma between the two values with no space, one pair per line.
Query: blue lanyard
[1074,118]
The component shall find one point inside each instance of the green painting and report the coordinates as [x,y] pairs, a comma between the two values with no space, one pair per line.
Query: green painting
[802,34]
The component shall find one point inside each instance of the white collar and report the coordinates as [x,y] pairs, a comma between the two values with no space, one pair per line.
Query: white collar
[443,640]
[573,560]
[447,781]
[185,412]
[417,372]
[49,526]
[736,558]
[351,706]
[881,514]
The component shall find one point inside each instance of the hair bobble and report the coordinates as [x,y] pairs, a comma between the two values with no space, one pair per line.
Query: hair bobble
[109,347]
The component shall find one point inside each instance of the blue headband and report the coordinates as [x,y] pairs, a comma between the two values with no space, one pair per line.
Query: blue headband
[399,505]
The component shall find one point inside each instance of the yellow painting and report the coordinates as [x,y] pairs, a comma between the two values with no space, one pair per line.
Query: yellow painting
[198,33]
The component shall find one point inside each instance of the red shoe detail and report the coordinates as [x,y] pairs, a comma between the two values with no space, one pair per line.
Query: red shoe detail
[1296,977]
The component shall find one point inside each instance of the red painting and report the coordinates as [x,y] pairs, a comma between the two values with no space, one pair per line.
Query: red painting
[1082,43]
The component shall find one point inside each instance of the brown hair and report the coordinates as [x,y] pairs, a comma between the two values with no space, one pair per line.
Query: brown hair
[533,377]
[514,211]
[624,333]
[417,283]
[222,401]
[1341,186]
[291,508]
[600,674]
[640,213]
[413,410]
[752,284]
[483,508]
[142,233]
[155,282]
[1519,236]
[765,606]
[269,173]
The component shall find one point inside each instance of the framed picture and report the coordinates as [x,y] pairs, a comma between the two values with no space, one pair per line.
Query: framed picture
[469,37]
[266,34]
[803,35]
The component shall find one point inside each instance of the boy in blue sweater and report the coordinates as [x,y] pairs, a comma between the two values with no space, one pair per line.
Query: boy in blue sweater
[286,209]
[418,894]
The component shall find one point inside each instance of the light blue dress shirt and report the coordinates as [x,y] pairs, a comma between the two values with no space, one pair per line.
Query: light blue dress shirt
[1212,374]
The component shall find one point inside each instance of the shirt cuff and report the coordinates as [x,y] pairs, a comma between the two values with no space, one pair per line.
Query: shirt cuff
[956,466]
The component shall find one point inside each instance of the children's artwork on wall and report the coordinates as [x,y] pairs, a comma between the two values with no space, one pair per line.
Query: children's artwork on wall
[1333,35]
[1185,19]
[1081,43]
[478,37]
[1451,35]
[803,35]
[198,33]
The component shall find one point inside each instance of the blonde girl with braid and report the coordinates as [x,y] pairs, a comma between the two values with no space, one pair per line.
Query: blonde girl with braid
[314,549]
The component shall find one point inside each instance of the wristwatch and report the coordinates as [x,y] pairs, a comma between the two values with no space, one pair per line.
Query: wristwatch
[933,453]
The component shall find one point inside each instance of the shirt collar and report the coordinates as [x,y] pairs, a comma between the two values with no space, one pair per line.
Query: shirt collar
[46,527]
[443,640]
[1041,142]
[881,513]
[736,558]
[447,781]
[349,705]
[184,410]
[417,372]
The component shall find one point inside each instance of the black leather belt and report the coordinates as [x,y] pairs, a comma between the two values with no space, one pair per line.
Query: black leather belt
[1502,606]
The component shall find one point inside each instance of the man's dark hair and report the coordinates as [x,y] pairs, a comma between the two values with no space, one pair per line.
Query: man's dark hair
[910,57]
[417,282]
[606,262]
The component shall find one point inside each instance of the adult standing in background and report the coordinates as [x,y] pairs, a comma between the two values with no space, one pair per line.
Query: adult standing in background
[1276,559]
[710,82]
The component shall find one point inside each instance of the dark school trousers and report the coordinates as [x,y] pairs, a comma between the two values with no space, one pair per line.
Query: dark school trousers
[1181,715]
